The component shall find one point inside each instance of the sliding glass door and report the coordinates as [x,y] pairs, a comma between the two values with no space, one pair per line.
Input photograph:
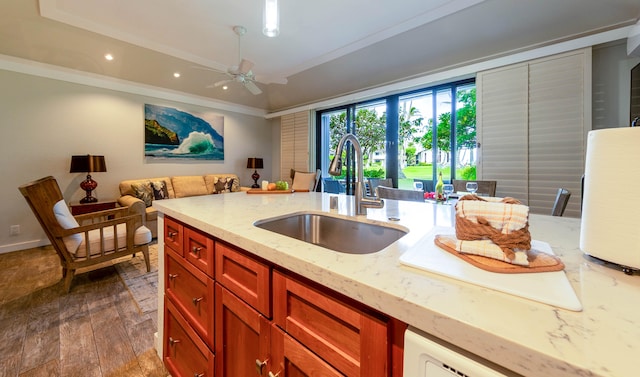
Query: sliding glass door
[407,137]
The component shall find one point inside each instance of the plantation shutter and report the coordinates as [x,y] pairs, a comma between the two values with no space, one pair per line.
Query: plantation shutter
[502,113]
[532,125]
[557,130]
[294,143]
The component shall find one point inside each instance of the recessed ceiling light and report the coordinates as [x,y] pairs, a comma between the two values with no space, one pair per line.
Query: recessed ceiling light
[225,87]
[176,74]
[108,57]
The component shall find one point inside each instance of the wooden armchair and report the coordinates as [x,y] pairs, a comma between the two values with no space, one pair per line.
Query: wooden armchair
[84,240]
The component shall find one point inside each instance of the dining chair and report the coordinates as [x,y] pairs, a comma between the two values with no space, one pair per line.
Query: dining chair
[375,182]
[84,240]
[427,184]
[332,186]
[384,192]
[485,188]
[562,198]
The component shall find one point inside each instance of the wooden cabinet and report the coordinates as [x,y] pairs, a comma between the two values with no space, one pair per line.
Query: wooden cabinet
[246,277]
[184,353]
[173,232]
[292,359]
[198,250]
[353,341]
[258,319]
[192,292]
[242,337]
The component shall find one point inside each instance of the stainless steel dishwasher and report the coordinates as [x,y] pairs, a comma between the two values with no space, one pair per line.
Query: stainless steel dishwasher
[426,357]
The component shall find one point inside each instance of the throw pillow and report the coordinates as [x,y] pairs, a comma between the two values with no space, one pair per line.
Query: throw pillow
[159,190]
[222,185]
[143,192]
[303,181]
[67,221]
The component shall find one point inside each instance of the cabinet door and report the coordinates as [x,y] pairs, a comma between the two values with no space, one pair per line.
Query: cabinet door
[184,353]
[198,250]
[242,338]
[247,278]
[355,342]
[191,290]
[173,235]
[292,359]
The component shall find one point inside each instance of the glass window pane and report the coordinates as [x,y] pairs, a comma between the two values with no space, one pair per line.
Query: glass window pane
[466,146]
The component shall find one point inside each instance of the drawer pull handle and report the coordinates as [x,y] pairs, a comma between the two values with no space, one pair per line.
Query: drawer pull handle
[274,375]
[198,375]
[260,365]
[172,234]
[172,276]
[196,301]
[196,251]
[173,342]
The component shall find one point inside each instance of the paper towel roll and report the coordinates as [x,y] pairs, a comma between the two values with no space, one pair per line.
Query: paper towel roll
[610,225]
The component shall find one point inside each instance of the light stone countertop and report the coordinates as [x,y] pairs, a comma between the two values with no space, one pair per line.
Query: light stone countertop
[525,336]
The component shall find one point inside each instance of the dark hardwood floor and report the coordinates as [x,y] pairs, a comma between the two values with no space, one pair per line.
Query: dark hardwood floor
[95,330]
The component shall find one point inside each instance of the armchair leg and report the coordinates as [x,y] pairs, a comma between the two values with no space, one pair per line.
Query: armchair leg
[68,277]
[145,253]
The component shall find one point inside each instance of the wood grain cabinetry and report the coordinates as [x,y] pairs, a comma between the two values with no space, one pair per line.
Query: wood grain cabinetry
[242,337]
[354,342]
[184,353]
[256,319]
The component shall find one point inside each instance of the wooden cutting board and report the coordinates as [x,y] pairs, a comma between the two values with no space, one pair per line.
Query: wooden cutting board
[552,288]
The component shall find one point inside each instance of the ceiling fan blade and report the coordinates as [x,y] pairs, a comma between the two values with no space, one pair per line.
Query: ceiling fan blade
[252,87]
[208,69]
[245,66]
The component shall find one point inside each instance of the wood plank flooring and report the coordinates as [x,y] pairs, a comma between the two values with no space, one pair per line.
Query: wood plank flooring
[95,330]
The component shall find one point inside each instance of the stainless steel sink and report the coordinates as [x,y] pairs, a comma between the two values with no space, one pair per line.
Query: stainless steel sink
[335,233]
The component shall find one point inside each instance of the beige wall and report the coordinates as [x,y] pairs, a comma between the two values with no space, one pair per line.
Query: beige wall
[45,121]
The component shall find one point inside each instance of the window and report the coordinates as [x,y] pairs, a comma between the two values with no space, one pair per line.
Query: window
[406,137]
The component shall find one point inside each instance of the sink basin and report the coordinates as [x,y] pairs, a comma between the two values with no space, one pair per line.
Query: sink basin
[335,233]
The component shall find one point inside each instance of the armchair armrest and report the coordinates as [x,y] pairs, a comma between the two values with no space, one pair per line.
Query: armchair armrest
[135,205]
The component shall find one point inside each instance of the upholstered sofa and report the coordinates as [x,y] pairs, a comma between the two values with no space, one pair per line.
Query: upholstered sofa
[139,194]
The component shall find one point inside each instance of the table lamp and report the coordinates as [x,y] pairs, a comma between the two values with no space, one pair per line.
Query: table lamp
[255,163]
[88,164]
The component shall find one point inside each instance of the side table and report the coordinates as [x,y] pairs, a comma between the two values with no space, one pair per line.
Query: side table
[82,208]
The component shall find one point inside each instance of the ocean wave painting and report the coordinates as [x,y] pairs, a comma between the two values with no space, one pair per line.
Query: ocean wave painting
[175,134]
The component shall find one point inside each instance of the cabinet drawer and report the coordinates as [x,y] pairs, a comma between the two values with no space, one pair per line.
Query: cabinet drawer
[198,250]
[191,290]
[354,342]
[184,353]
[291,358]
[246,277]
[173,232]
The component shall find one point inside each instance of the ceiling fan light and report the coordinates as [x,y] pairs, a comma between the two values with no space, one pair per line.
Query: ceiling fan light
[271,19]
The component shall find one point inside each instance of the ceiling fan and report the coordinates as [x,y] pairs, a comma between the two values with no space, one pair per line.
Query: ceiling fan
[242,72]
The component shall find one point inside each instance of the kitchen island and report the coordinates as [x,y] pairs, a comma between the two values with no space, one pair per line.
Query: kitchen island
[524,336]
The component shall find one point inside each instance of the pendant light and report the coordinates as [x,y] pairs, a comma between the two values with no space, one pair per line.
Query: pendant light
[271,19]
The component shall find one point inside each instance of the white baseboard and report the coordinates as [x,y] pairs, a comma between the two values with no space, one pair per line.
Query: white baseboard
[23,245]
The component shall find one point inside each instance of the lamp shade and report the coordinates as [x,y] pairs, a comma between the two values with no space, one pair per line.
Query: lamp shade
[87,164]
[254,163]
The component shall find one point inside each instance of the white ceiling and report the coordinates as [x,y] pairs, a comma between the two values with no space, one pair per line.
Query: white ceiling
[325,48]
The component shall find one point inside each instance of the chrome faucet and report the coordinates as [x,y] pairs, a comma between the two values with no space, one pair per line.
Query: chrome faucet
[362,200]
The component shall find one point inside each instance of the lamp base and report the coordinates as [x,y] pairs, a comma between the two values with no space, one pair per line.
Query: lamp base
[88,185]
[255,176]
